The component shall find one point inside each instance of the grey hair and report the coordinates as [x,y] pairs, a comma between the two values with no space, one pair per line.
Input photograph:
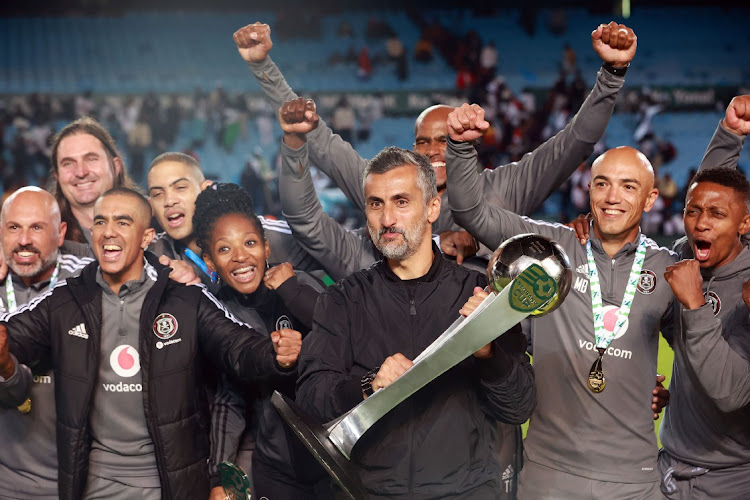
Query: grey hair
[393,157]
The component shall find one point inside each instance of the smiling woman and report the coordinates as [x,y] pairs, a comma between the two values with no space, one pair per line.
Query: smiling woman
[275,302]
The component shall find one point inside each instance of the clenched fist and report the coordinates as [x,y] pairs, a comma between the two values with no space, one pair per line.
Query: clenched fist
[287,344]
[277,275]
[737,118]
[614,43]
[467,123]
[298,116]
[253,41]
[687,283]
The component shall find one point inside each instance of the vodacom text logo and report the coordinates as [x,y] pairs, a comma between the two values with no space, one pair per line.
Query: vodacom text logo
[125,361]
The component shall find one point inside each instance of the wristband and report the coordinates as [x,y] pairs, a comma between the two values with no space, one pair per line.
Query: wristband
[615,71]
[366,381]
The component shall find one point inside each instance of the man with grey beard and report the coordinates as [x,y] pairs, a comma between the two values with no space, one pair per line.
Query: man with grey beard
[32,233]
[369,326]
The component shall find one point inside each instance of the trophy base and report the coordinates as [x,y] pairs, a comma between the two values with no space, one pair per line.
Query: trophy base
[315,438]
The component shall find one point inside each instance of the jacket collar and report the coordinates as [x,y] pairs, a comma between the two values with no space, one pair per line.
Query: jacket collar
[628,249]
[432,273]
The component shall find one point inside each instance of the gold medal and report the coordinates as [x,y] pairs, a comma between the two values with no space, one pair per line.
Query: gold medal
[25,407]
[596,381]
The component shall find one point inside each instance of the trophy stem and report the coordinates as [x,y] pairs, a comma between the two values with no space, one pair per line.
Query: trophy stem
[463,338]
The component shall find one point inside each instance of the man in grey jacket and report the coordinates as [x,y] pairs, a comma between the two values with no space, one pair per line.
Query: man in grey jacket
[591,434]
[32,233]
[521,187]
[705,434]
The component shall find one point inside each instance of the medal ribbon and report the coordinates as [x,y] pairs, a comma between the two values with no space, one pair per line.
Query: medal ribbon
[199,262]
[602,336]
[11,292]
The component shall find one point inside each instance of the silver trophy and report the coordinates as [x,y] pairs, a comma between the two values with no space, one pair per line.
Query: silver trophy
[529,274]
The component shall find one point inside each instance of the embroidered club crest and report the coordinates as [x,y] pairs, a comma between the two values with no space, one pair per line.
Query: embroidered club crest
[714,300]
[647,282]
[284,322]
[165,326]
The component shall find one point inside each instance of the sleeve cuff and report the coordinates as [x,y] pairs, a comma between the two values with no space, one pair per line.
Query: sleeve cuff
[728,136]
[700,319]
[291,152]
[462,149]
[609,79]
[497,368]
[260,67]
[289,289]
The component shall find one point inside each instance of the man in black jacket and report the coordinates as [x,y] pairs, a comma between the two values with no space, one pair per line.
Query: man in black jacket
[368,327]
[123,431]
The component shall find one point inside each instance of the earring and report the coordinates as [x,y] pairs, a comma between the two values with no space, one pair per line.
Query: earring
[268,266]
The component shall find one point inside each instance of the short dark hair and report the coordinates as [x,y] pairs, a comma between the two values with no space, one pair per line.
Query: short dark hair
[216,201]
[727,177]
[84,126]
[134,194]
[393,157]
[178,158]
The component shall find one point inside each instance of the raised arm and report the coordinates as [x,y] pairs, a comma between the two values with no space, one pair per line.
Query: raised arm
[726,143]
[330,153]
[339,251]
[523,186]
[489,223]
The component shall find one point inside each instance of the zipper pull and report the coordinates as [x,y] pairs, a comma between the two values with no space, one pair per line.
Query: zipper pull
[412,308]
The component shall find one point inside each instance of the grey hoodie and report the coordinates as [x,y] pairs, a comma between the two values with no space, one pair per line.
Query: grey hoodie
[706,422]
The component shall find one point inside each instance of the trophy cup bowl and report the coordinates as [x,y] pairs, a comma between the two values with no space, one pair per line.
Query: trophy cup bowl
[516,254]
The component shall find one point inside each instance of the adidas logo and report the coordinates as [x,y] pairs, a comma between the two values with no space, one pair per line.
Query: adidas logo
[79,331]
[508,473]
[583,269]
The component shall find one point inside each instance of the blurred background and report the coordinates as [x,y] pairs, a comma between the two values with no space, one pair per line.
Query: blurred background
[165,75]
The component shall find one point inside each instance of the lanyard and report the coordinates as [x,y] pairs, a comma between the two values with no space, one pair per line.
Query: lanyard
[199,262]
[602,336]
[11,293]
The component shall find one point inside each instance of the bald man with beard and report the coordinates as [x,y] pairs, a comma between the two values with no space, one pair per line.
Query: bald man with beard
[32,233]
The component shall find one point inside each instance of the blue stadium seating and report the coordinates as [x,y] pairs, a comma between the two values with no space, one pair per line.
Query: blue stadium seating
[177,52]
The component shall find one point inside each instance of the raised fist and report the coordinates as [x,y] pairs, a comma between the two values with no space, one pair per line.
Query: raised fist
[298,116]
[614,43]
[253,41]
[467,123]
[277,275]
[737,118]
[687,283]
